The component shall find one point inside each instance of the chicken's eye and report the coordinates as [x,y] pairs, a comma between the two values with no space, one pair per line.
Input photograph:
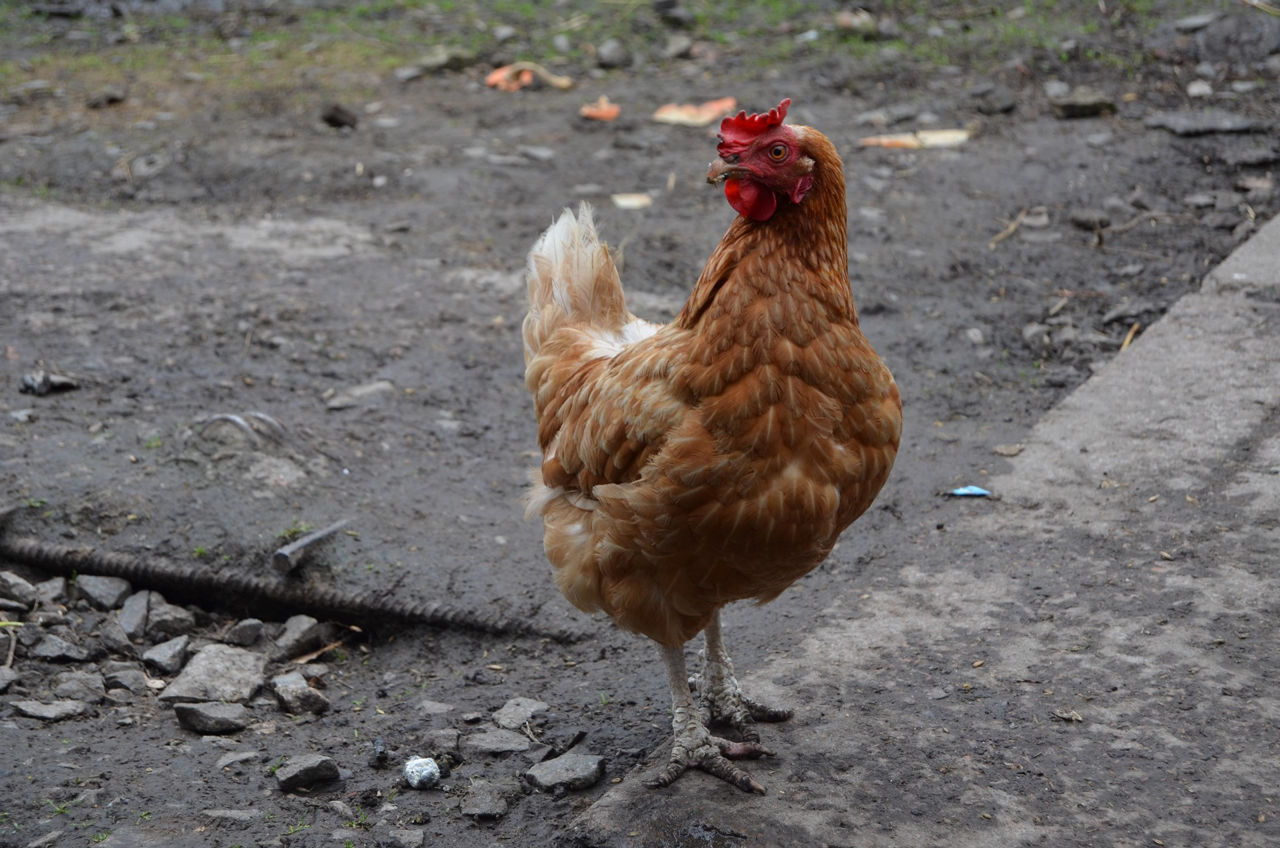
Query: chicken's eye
[778,152]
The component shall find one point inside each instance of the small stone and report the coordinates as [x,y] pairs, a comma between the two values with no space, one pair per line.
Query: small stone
[672,13]
[235,758]
[79,686]
[235,816]
[105,593]
[1036,335]
[1199,88]
[297,697]
[408,73]
[1081,102]
[1089,219]
[340,117]
[442,58]
[124,676]
[168,657]
[56,649]
[7,676]
[678,46]
[112,637]
[443,740]
[301,633]
[975,335]
[108,96]
[212,717]
[569,771]
[244,633]
[612,54]
[429,707]
[1203,122]
[496,742]
[218,673]
[403,838]
[52,591]
[421,772]
[536,152]
[166,619]
[503,33]
[515,712]
[357,395]
[1194,23]
[304,771]
[55,711]
[15,588]
[484,803]
[133,615]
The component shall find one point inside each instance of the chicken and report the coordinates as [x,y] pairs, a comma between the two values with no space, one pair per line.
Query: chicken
[719,457]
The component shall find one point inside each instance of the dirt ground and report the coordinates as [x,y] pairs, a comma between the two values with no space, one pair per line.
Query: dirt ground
[362,287]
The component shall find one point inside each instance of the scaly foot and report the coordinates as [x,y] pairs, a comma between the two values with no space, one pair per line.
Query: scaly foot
[695,747]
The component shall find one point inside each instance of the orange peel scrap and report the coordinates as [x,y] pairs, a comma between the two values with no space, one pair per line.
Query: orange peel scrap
[695,114]
[516,76]
[603,109]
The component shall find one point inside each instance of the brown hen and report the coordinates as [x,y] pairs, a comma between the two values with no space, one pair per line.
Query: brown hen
[719,457]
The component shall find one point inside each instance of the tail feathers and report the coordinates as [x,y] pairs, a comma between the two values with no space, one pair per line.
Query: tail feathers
[572,280]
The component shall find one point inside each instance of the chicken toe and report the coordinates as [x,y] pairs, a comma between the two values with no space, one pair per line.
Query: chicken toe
[722,697]
[694,745]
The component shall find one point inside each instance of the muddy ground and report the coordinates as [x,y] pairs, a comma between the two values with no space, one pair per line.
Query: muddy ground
[193,255]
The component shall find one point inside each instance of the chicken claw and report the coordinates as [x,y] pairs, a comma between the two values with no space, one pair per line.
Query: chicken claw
[722,698]
[695,747]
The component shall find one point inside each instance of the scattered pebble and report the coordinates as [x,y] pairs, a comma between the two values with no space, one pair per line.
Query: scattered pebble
[121,675]
[1081,102]
[57,649]
[297,697]
[166,619]
[484,802]
[105,593]
[218,673]
[244,633]
[84,686]
[515,712]
[567,772]
[1089,219]
[356,395]
[301,633]
[212,717]
[55,711]
[495,742]
[340,117]
[1189,122]
[168,657]
[17,589]
[612,54]
[421,772]
[133,615]
[1199,88]
[307,770]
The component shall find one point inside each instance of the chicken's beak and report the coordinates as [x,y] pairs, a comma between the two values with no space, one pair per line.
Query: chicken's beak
[720,170]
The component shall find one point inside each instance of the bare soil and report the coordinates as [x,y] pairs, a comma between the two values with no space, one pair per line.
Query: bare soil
[244,257]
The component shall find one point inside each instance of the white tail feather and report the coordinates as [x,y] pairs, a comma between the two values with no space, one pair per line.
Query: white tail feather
[572,280]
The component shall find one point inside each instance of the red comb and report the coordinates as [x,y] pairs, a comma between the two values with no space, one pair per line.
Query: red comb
[738,131]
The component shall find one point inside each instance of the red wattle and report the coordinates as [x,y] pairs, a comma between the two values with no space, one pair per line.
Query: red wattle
[750,199]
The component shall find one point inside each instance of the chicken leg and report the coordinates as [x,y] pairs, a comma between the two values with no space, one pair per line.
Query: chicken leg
[720,700]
